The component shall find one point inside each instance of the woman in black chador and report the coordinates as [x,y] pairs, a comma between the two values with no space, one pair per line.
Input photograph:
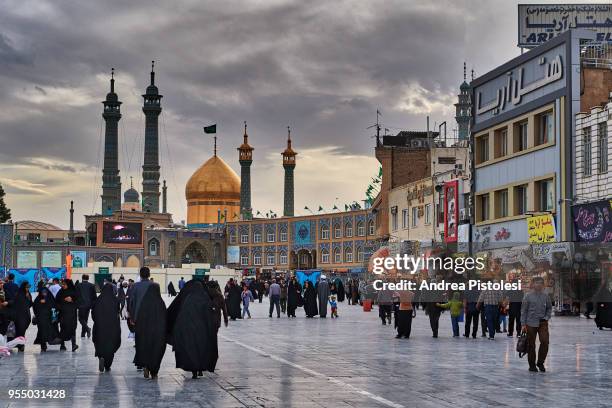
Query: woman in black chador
[21,314]
[310,299]
[233,299]
[294,296]
[66,301]
[192,329]
[106,328]
[603,306]
[151,332]
[43,311]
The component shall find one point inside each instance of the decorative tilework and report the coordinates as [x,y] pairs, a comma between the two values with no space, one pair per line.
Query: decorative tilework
[270,249]
[256,250]
[282,249]
[244,229]
[244,251]
[270,229]
[347,219]
[257,228]
[324,245]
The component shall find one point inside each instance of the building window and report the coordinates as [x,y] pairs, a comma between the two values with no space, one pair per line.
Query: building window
[482,147]
[348,230]
[153,247]
[371,227]
[415,216]
[233,238]
[244,238]
[602,147]
[244,260]
[324,256]
[325,232]
[588,151]
[405,219]
[283,236]
[483,207]
[361,229]
[283,258]
[546,195]
[337,258]
[270,237]
[501,203]
[359,255]
[348,255]
[394,218]
[257,237]
[257,259]
[270,259]
[520,136]
[427,214]
[337,231]
[520,194]
[501,142]
[545,128]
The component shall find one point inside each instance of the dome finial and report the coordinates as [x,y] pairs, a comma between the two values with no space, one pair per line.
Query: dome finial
[246,136]
[289,136]
[464,72]
[215,137]
[131,182]
[112,81]
[152,72]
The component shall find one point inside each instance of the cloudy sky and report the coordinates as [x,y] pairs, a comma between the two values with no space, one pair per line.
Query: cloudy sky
[323,67]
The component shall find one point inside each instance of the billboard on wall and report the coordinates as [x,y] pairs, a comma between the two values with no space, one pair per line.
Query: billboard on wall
[451,210]
[593,221]
[27,259]
[233,254]
[79,259]
[539,23]
[541,229]
[51,259]
[121,232]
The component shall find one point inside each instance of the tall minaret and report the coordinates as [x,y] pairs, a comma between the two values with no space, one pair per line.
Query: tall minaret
[150,167]
[245,157]
[463,107]
[71,230]
[164,198]
[289,164]
[111,182]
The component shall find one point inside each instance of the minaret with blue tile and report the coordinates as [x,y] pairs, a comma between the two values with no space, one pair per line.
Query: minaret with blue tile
[111,182]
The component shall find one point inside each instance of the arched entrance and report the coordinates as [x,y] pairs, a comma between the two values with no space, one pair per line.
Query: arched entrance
[195,253]
[305,259]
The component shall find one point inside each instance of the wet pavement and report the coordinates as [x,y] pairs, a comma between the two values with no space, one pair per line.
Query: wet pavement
[352,361]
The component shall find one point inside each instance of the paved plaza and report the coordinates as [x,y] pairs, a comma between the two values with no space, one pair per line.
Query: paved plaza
[349,362]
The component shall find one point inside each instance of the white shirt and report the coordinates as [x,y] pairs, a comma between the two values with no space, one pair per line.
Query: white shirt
[54,289]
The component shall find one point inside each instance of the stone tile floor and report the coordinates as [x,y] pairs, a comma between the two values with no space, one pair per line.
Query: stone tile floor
[353,361]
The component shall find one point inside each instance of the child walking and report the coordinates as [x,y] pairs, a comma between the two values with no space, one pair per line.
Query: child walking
[456,306]
[334,306]
[247,298]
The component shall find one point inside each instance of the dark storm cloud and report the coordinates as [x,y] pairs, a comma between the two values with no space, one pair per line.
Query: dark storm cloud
[322,67]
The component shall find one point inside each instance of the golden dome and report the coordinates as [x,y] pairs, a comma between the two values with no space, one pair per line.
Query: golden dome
[214,179]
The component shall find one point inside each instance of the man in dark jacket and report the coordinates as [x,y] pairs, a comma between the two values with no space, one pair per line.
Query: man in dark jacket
[87,296]
[10,288]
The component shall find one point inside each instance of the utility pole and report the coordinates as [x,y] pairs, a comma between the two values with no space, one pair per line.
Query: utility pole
[377,125]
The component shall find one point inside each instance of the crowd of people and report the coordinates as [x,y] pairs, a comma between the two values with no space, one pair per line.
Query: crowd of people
[190,324]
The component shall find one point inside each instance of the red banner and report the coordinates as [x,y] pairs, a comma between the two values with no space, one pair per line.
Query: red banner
[451,210]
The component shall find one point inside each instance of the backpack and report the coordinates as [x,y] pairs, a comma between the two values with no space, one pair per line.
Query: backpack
[521,345]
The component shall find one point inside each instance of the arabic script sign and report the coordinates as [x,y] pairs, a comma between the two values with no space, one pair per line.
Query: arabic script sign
[541,229]
[539,23]
[521,84]
[593,221]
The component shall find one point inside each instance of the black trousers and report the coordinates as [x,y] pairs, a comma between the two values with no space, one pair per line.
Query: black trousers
[83,318]
[434,322]
[274,301]
[283,305]
[471,319]
[384,312]
[483,321]
[514,318]
[404,324]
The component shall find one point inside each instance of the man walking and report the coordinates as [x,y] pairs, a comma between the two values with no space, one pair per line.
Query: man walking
[471,312]
[283,296]
[535,312]
[490,299]
[181,283]
[515,298]
[87,296]
[275,294]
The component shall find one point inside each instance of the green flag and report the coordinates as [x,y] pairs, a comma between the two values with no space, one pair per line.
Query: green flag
[320,208]
[258,213]
[346,207]
[380,172]
[210,129]
[335,207]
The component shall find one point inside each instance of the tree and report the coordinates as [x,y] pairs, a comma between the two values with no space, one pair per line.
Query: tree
[5,213]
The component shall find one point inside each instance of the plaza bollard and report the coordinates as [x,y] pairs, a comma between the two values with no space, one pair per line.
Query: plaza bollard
[367,305]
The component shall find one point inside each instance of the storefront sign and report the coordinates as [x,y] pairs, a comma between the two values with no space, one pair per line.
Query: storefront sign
[593,221]
[451,210]
[541,229]
[539,23]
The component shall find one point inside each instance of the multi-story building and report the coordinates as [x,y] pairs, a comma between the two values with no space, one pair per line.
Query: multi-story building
[523,133]
[333,242]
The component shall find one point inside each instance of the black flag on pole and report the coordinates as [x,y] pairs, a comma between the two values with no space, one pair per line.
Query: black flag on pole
[210,129]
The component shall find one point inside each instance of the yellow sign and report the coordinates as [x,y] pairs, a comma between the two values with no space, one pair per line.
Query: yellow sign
[541,229]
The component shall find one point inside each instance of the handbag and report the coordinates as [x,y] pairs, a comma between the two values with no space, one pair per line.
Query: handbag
[11,331]
[521,345]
